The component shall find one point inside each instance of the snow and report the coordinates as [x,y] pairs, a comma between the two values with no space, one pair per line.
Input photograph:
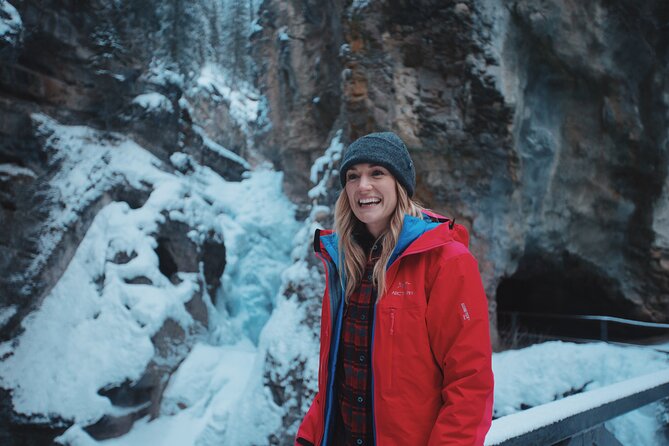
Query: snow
[219,149]
[255,26]
[323,166]
[66,354]
[154,102]
[358,5]
[90,164]
[217,396]
[8,170]
[224,82]
[160,74]
[10,23]
[283,34]
[534,418]
[243,99]
[545,372]
[207,385]
[259,224]
[6,314]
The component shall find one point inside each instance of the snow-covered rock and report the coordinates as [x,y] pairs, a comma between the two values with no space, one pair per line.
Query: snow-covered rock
[11,25]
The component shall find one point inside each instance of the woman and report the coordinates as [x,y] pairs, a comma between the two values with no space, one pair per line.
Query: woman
[405,346]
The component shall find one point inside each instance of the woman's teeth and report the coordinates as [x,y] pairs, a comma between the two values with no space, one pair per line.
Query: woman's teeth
[369,201]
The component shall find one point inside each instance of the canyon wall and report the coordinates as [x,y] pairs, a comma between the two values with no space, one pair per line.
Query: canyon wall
[539,125]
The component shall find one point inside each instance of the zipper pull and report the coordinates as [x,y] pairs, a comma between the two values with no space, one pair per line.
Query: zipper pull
[392,321]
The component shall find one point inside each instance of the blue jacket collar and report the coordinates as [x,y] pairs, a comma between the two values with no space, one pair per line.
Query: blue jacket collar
[412,229]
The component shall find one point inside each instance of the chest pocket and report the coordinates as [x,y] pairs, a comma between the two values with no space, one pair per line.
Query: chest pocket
[401,322]
[403,334]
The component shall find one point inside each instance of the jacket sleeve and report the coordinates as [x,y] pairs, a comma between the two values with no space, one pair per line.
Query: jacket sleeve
[306,433]
[457,319]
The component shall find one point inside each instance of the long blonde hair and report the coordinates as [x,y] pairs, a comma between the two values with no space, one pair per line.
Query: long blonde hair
[353,255]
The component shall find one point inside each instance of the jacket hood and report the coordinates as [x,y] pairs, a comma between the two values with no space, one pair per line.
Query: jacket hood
[418,234]
[458,232]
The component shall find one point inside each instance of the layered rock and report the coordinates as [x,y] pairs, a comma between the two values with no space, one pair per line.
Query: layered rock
[540,126]
[298,52]
[590,131]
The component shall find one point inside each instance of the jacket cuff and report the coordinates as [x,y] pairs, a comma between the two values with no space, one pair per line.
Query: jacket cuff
[301,441]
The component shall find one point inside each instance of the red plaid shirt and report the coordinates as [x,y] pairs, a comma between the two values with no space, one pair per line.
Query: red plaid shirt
[353,384]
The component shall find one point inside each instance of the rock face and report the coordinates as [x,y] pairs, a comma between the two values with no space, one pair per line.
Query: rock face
[540,126]
[588,83]
[298,55]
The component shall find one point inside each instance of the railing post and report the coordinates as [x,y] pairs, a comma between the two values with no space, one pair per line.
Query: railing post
[603,330]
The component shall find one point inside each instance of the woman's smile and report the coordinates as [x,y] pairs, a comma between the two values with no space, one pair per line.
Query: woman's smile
[372,195]
[369,202]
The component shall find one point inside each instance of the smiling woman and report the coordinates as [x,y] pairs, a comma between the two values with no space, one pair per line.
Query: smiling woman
[371,192]
[405,346]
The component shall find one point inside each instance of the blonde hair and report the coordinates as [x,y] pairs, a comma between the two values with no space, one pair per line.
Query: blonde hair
[351,253]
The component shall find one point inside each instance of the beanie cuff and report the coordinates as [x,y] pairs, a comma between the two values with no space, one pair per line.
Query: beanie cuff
[384,149]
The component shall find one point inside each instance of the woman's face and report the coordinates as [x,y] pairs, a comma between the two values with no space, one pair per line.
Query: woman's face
[372,195]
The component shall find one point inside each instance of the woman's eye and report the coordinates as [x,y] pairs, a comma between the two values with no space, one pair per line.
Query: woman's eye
[377,173]
[351,177]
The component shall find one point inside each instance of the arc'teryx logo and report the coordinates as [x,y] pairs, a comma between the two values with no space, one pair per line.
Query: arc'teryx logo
[403,288]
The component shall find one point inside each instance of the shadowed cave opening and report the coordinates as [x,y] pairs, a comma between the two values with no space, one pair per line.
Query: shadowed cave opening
[547,295]
[166,261]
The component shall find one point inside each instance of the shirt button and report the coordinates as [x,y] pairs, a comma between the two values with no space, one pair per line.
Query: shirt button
[361,399]
[369,277]
[358,441]
[362,358]
[363,317]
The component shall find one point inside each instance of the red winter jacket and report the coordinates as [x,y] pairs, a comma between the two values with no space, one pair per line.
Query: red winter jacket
[432,380]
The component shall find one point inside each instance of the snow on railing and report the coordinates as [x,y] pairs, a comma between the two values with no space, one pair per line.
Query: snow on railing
[579,414]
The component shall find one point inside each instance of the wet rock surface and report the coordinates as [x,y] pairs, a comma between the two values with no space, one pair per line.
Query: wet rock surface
[590,132]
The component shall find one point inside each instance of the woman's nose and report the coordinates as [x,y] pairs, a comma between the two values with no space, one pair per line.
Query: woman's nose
[365,182]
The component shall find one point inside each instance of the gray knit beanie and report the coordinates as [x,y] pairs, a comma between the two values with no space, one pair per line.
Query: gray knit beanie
[384,149]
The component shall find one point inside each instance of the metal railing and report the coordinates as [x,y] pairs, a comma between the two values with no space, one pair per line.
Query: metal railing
[578,419]
[605,323]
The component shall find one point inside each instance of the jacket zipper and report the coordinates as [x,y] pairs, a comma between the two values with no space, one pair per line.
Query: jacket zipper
[335,331]
[392,321]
